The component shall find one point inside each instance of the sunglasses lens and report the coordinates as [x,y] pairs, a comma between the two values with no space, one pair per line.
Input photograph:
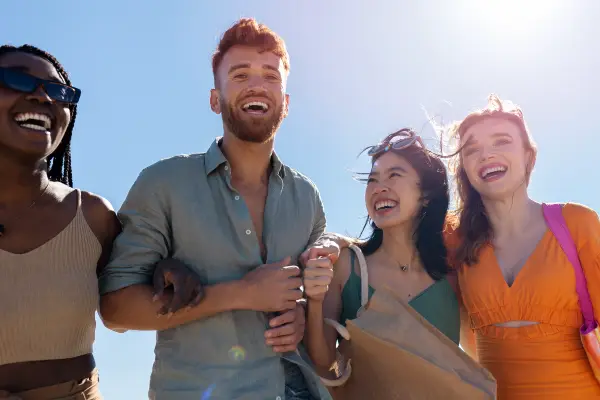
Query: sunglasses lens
[19,81]
[62,93]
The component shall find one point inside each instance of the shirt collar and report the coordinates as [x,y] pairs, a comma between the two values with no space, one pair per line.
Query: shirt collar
[214,158]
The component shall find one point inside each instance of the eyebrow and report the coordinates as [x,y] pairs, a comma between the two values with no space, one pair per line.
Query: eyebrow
[247,65]
[471,140]
[393,169]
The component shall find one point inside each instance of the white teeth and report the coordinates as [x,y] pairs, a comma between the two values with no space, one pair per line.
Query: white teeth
[263,106]
[489,170]
[44,121]
[385,204]
[34,127]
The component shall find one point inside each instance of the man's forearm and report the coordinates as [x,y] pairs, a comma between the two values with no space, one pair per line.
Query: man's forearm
[134,308]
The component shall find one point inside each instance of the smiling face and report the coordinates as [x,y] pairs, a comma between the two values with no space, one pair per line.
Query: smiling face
[495,158]
[393,196]
[31,124]
[250,93]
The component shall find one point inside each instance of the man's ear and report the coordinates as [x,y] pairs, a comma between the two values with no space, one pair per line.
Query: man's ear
[215,102]
[286,105]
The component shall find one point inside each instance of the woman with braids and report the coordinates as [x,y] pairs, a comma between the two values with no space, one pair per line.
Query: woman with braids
[407,201]
[53,238]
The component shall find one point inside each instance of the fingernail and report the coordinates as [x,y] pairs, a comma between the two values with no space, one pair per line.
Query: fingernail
[155,297]
[269,342]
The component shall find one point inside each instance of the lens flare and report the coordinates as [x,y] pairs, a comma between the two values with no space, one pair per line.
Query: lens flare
[206,394]
[237,353]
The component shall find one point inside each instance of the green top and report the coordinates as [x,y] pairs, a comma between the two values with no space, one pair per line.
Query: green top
[437,304]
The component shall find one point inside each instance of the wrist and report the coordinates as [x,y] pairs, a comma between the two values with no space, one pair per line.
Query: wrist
[238,294]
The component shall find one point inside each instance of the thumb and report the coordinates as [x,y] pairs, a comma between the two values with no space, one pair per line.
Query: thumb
[285,262]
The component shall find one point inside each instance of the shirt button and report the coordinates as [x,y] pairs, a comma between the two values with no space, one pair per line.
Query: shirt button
[237,197]
[278,398]
[226,168]
[248,231]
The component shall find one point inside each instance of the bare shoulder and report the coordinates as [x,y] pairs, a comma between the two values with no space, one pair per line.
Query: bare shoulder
[100,216]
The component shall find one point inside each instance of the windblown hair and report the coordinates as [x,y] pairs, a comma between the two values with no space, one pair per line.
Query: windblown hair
[470,220]
[430,219]
[59,162]
[248,32]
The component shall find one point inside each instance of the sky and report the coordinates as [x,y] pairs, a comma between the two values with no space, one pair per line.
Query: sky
[359,70]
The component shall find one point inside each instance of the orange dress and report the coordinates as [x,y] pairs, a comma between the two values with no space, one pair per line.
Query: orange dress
[547,360]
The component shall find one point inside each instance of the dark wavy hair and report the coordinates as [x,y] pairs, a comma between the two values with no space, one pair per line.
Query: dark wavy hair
[430,220]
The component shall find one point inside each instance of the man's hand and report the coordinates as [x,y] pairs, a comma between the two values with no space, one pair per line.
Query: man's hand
[176,285]
[273,287]
[322,248]
[318,274]
[287,330]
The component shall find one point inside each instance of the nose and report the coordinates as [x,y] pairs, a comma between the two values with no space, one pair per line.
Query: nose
[40,96]
[380,188]
[486,154]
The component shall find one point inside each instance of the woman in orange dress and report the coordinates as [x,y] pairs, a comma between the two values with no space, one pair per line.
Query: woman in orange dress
[521,315]
[518,287]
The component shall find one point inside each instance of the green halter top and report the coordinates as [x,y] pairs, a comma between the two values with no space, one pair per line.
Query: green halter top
[437,304]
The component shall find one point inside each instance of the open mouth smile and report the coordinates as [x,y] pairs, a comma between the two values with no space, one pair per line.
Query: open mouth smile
[255,107]
[385,205]
[492,172]
[34,121]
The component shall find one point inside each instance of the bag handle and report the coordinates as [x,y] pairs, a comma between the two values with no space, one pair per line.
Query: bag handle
[558,226]
[341,329]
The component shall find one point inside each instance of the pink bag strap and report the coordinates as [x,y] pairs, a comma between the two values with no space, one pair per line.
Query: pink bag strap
[557,224]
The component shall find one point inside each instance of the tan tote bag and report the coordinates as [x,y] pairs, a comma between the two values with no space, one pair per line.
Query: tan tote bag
[391,352]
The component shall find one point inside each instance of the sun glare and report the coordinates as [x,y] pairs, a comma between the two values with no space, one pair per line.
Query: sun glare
[514,16]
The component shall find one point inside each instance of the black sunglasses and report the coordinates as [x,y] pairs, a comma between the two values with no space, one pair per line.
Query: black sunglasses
[23,82]
[400,140]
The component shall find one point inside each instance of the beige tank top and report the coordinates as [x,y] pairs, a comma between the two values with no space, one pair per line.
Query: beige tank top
[48,296]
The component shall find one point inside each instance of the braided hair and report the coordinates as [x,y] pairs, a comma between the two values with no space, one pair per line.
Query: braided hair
[59,162]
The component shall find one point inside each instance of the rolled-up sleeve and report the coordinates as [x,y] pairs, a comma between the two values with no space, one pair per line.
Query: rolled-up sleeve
[145,239]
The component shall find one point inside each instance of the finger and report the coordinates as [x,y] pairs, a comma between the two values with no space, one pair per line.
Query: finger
[199,296]
[293,295]
[285,330]
[283,263]
[322,262]
[316,281]
[165,300]
[158,282]
[285,318]
[283,340]
[285,349]
[315,271]
[291,270]
[182,295]
[293,283]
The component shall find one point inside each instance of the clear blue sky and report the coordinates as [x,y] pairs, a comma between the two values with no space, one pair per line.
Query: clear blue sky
[360,69]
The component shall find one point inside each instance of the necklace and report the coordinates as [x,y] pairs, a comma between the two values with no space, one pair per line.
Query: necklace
[3,228]
[405,267]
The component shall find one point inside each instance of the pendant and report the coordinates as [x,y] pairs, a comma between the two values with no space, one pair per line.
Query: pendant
[404,268]
[1,230]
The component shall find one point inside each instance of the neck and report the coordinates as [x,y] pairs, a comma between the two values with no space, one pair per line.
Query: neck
[399,245]
[512,215]
[249,162]
[20,180]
